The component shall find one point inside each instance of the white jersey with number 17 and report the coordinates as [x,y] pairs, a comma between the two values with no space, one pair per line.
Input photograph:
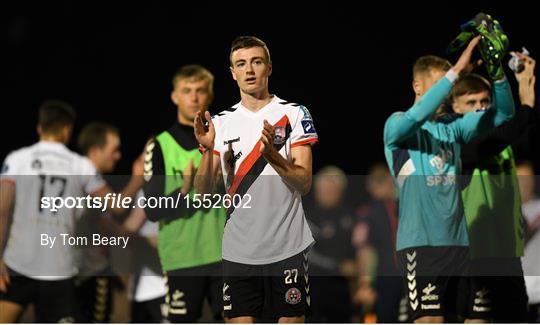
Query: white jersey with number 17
[45,169]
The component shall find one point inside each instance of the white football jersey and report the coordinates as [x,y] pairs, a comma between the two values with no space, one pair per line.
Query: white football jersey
[45,169]
[269,225]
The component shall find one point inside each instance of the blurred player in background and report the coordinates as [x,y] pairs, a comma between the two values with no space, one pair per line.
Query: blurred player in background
[423,153]
[189,241]
[99,142]
[380,288]
[31,272]
[496,289]
[331,259]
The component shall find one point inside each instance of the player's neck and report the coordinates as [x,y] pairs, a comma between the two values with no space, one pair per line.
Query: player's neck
[254,102]
[52,138]
[184,121]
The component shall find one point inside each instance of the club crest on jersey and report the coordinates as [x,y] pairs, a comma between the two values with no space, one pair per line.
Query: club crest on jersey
[293,296]
[308,126]
[280,135]
[36,164]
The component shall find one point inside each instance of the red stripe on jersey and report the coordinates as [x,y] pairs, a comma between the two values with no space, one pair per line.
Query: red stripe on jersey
[304,142]
[251,159]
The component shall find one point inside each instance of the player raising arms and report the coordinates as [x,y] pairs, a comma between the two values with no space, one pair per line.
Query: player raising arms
[423,152]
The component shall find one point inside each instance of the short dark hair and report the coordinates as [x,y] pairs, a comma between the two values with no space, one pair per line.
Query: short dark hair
[426,63]
[54,115]
[471,83]
[94,135]
[246,42]
[194,72]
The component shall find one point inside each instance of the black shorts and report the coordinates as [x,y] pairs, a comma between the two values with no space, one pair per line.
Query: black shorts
[188,288]
[149,311]
[495,291]
[95,297]
[268,291]
[432,276]
[54,301]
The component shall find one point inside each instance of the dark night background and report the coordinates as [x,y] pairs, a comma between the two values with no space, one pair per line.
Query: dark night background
[349,64]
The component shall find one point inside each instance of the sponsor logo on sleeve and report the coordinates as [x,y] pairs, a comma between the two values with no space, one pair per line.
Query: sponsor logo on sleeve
[308,127]
[37,164]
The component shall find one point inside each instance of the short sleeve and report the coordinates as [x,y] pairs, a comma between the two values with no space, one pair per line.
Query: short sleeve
[8,171]
[91,180]
[303,129]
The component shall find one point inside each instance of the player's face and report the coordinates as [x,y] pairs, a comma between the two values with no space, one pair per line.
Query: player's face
[329,191]
[109,155]
[471,102]
[380,186]
[190,97]
[251,69]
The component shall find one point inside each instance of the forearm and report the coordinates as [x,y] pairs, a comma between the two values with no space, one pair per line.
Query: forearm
[499,138]
[133,186]
[4,231]
[510,132]
[7,198]
[428,104]
[503,102]
[294,175]
[366,257]
[130,190]
[400,126]
[152,241]
[111,228]
[204,179]
[135,220]
[526,94]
